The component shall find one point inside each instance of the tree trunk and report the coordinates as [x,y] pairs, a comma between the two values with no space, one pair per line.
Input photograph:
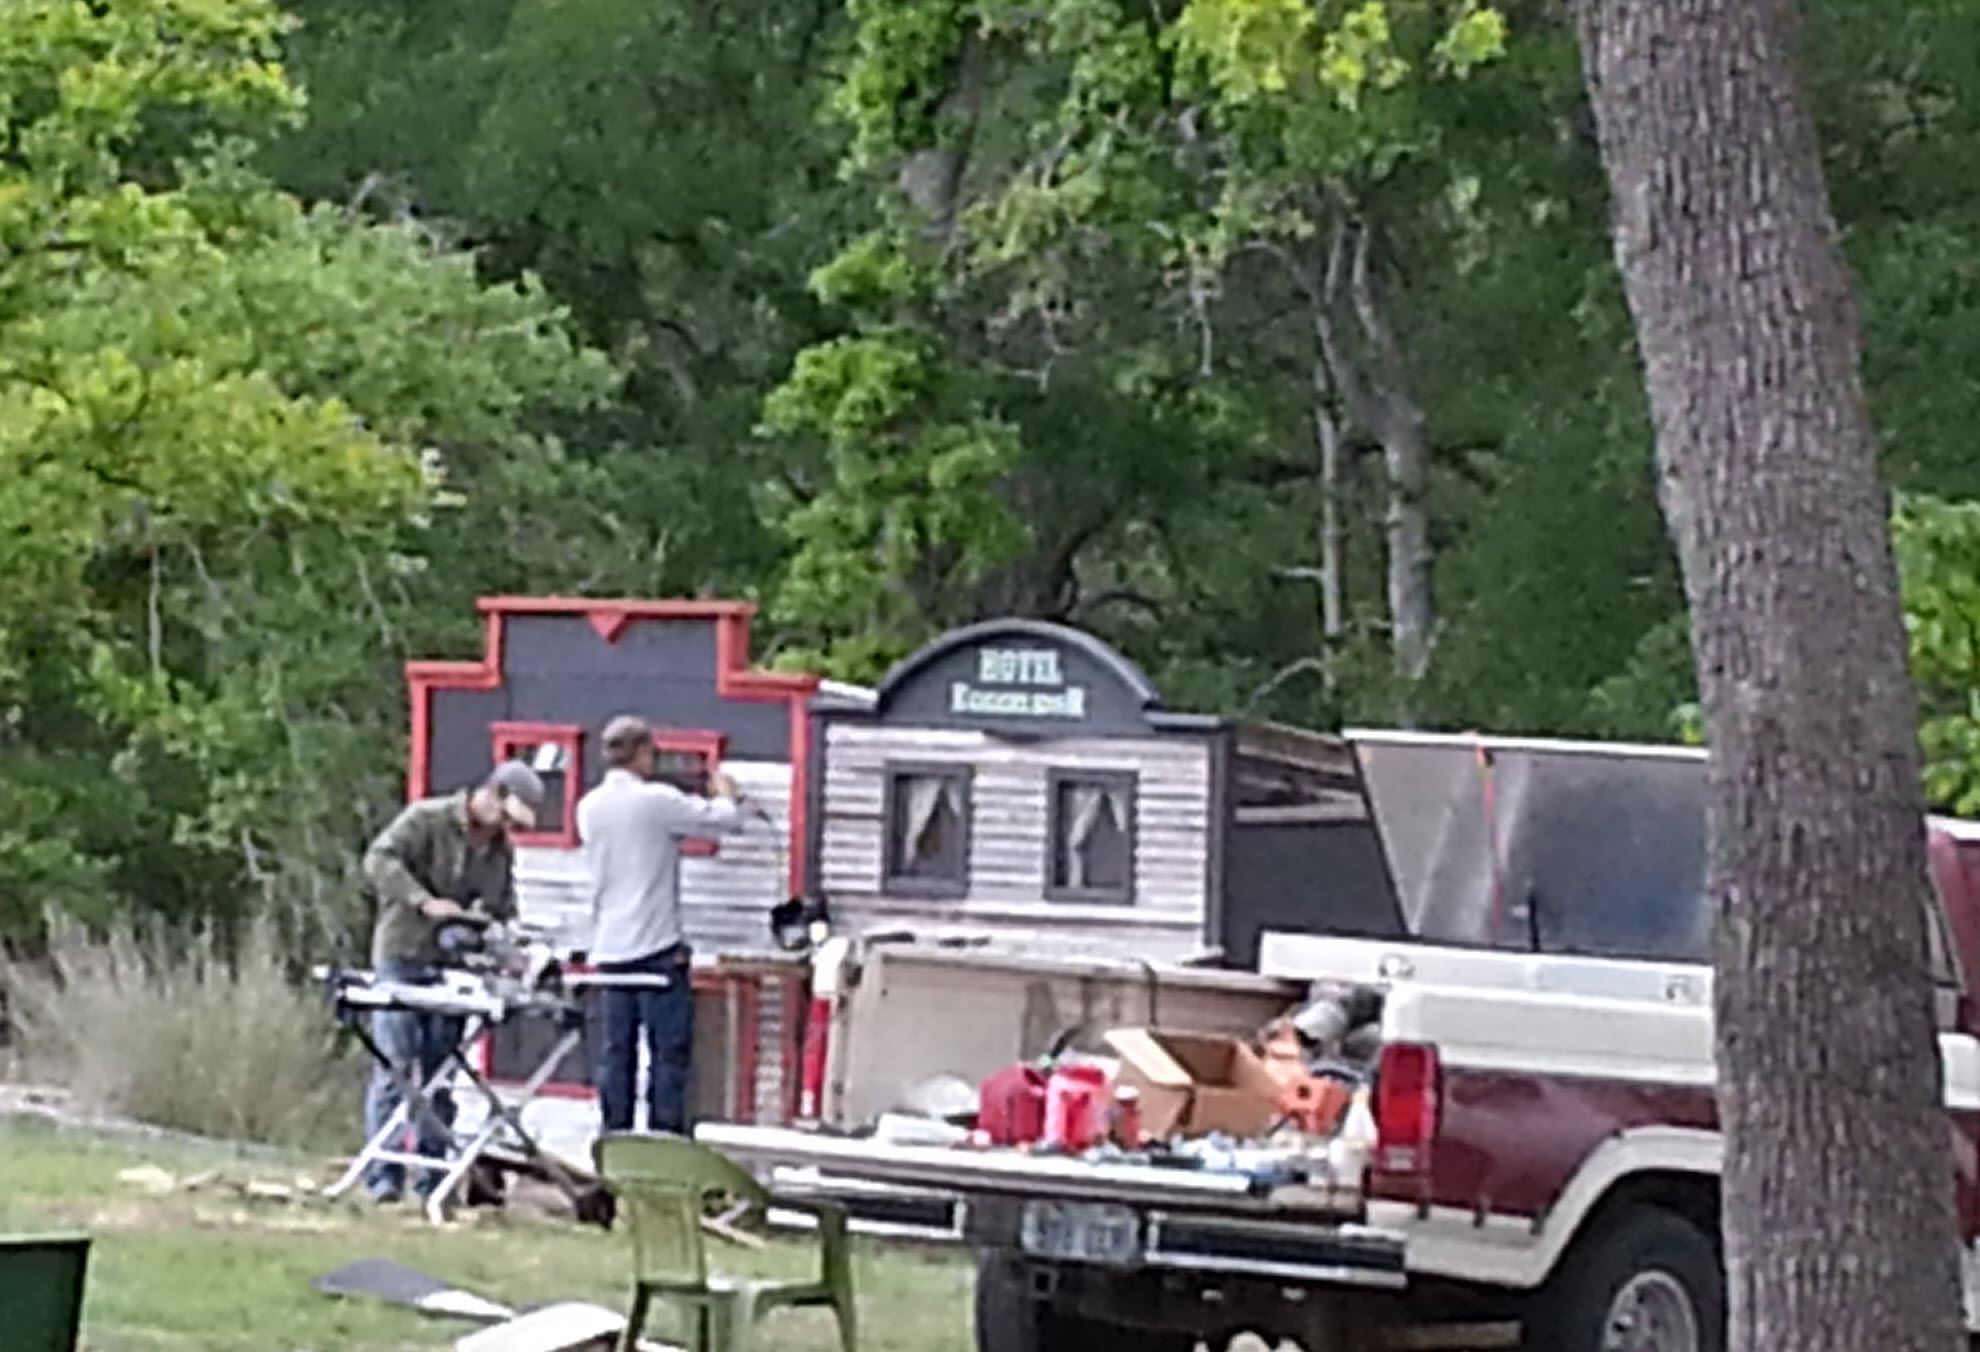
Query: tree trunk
[1333,571]
[932,178]
[1406,463]
[1405,459]
[1365,364]
[1838,1207]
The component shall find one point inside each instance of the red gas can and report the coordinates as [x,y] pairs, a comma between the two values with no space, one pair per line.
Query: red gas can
[1075,1107]
[1012,1110]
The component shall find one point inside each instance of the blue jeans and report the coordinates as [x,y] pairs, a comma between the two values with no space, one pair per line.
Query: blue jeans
[418,1044]
[667,1015]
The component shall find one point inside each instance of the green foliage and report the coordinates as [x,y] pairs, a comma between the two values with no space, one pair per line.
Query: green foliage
[897,316]
[234,431]
[912,511]
[1938,553]
[657,166]
[1087,184]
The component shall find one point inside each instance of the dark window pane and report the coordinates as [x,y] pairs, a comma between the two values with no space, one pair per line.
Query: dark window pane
[1092,836]
[927,828]
[551,761]
[1104,852]
[685,770]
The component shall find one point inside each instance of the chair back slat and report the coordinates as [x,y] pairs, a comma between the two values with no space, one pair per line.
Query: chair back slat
[665,1186]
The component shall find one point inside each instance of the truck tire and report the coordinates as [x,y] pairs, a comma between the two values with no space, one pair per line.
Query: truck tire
[1010,1319]
[1646,1281]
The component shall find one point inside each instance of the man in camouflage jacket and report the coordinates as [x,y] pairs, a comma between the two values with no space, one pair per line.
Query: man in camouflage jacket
[442,860]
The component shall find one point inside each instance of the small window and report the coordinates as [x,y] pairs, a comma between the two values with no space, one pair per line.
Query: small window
[927,839]
[1090,837]
[688,760]
[552,751]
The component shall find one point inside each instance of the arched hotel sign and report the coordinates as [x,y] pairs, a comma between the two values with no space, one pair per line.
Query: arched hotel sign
[1020,677]
[1018,683]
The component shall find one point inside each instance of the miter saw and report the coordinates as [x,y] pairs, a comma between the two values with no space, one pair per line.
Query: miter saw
[488,974]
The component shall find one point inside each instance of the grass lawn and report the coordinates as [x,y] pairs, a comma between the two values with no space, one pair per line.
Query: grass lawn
[209,1271]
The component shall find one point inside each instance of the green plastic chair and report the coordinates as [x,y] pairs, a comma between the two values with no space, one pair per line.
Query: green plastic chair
[664,1187]
[41,1291]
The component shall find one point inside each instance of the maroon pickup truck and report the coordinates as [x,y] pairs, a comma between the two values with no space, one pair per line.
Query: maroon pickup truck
[1542,1151]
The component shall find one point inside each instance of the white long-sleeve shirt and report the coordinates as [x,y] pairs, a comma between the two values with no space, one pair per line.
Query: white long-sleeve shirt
[632,831]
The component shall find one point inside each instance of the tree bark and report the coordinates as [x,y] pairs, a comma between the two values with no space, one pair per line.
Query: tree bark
[1365,361]
[1838,1205]
[1333,570]
[932,178]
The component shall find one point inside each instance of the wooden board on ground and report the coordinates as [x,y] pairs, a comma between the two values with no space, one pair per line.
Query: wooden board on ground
[570,1326]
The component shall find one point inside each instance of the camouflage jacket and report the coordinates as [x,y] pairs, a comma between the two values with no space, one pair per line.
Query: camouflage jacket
[427,852]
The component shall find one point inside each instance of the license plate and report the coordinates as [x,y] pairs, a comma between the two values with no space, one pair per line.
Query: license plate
[1081,1232]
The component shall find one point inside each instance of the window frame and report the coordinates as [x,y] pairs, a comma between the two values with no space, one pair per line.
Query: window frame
[1128,783]
[503,738]
[709,746]
[897,884]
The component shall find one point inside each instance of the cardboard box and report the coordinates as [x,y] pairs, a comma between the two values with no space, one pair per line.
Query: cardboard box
[1193,1084]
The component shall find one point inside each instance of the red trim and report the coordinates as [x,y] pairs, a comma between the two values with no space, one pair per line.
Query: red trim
[423,678]
[749,987]
[632,608]
[609,617]
[798,812]
[736,679]
[749,1028]
[817,1047]
[791,1011]
[573,1090]
[697,742]
[505,737]
[709,746]
[609,623]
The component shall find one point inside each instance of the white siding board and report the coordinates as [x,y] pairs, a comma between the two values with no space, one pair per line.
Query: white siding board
[1008,823]
[725,899]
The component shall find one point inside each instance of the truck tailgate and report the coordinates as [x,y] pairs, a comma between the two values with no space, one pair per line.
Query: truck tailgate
[1011,1173]
[1119,1215]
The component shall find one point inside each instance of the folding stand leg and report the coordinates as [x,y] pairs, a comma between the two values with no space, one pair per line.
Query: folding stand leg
[415,1098]
[500,1115]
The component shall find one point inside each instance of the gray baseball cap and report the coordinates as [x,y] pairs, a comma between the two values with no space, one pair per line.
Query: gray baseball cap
[521,792]
[626,732]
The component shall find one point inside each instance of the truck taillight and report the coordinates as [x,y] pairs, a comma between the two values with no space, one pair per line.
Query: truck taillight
[1407,1089]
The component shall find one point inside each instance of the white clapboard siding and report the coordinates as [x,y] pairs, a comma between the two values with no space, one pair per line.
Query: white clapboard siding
[1008,826]
[725,899]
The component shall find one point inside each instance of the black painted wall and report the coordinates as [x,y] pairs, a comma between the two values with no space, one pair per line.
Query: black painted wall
[1303,878]
[461,747]
[556,669]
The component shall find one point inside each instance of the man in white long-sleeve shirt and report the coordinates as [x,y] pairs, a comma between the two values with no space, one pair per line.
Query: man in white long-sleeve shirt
[632,828]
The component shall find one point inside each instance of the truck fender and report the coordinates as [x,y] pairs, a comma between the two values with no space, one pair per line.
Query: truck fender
[1520,1252]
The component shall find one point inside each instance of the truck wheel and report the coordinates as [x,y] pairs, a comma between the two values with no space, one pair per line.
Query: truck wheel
[1647,1281]
[1010,1319]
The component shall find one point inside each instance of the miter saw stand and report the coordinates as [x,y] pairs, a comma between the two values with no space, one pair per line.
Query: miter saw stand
[486,992]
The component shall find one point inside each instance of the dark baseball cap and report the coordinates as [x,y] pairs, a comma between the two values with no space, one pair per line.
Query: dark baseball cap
[521,792]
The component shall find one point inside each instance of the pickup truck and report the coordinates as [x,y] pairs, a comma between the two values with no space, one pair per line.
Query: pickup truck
[1544,1166]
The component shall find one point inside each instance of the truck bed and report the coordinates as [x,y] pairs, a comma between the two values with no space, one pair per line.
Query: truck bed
[1013,1173]
[1114,1214]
